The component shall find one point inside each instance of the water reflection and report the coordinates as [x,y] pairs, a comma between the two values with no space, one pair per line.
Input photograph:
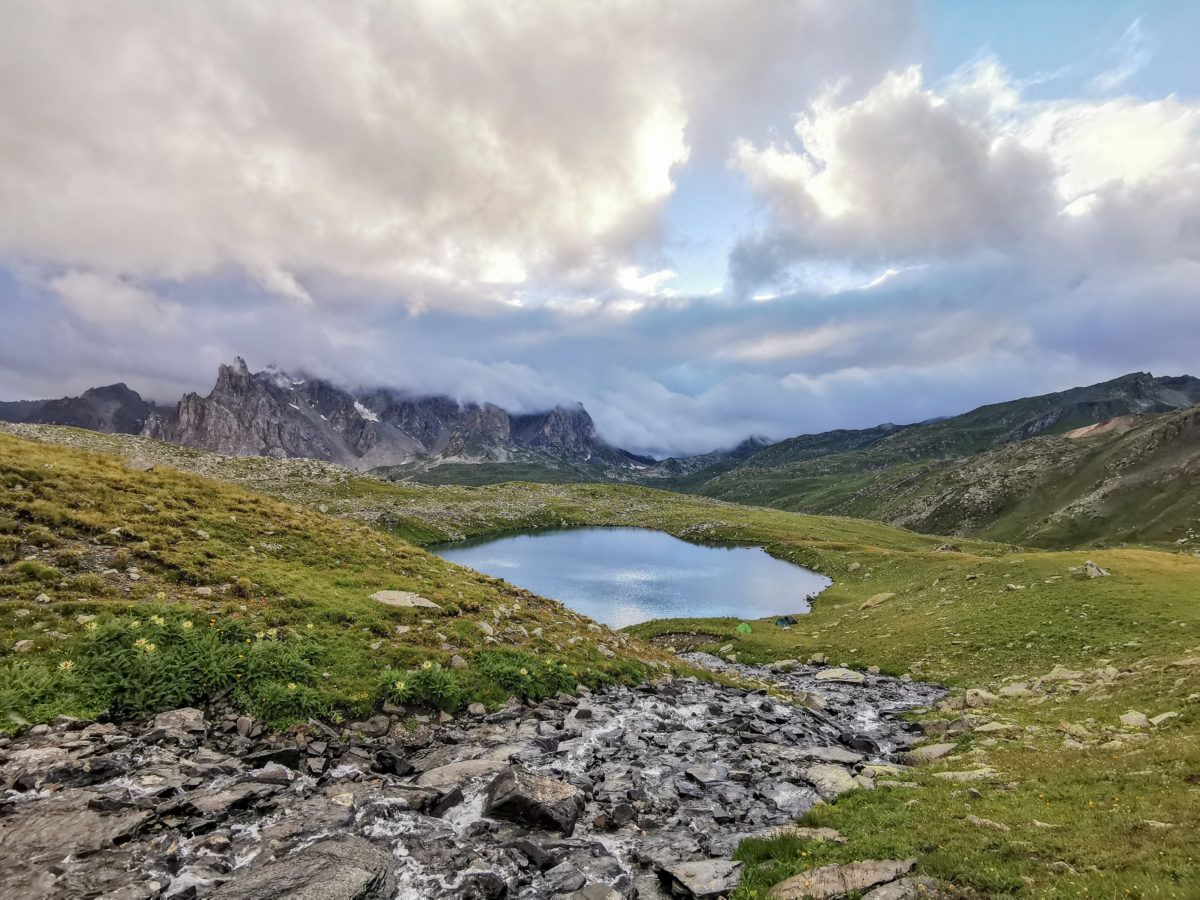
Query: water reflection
[621,576]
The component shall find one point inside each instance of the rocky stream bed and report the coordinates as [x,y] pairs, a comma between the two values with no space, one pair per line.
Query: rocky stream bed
[622,793]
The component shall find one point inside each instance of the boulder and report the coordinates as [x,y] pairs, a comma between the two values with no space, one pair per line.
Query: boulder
[906,889]
[523,796]
[1092,570]
[877,599]
[338,868]
[976,698]
[705,879]
[801,833]
[1135,719]
[403,600]
[843,676]
[927,754]
[834,881]
[182,726]
[830,781]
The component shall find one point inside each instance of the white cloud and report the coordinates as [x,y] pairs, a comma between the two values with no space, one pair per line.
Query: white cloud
[444,154]
[110,302]
[912,172]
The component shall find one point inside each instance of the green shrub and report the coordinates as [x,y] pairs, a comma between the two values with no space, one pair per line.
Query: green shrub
[523,674]
[427,685]
[88,583]
[32,570]
[10,548]
[70,560]
[120,559]
[283,703]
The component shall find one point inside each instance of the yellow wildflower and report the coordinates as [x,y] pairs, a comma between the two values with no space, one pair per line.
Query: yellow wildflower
[91,626]
[291,685]
[427,665]
[187,624]
[66,665]
[400,686]
[524,672]
[158,620]
[140,643]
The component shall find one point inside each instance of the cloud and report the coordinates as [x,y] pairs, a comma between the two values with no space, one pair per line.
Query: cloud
[437,154]
[1132,53]
[469,198]
[913,173]
[111,302]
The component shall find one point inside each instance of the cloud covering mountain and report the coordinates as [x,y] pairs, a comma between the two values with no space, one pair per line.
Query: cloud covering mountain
[515,203]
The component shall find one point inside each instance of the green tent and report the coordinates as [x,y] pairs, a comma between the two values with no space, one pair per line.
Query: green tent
[744,628]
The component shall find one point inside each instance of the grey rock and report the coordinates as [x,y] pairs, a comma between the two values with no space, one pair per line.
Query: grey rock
[339,868]
[706,879]
[403,600]
[456,774]
[834,881]
[533,799]
[830,781]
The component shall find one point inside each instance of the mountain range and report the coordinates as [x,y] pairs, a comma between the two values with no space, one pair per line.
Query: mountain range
[1106,462]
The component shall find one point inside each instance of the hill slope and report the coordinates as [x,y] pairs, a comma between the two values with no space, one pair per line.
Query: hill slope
[998,471]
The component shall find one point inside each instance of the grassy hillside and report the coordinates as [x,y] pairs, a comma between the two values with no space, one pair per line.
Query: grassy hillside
[1093,807]
[1109,487]
[132,590]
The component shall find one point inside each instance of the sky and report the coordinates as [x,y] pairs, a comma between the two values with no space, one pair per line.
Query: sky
[703,220]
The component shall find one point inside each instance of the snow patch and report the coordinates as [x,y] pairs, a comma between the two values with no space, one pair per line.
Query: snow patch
[365,413]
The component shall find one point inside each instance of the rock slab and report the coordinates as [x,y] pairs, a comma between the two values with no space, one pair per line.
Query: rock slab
[833,881]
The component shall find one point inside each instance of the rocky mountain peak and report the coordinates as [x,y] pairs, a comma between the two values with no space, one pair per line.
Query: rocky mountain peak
[272,413]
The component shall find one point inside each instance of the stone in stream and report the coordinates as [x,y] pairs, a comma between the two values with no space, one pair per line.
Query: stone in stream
[532,799]
[834,881]
[455,774]
[339,868]
[843,676]
[673,772]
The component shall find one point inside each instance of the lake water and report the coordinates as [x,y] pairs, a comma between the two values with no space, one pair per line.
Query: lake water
[621,576]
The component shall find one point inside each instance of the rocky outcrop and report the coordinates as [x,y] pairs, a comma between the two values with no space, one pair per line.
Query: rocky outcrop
[272,413]
[623,793]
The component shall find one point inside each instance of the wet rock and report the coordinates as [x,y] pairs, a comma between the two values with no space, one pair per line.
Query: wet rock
[526,797]
[63,825]
[458,773]
[218,802]
[834,881]
[340,868]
